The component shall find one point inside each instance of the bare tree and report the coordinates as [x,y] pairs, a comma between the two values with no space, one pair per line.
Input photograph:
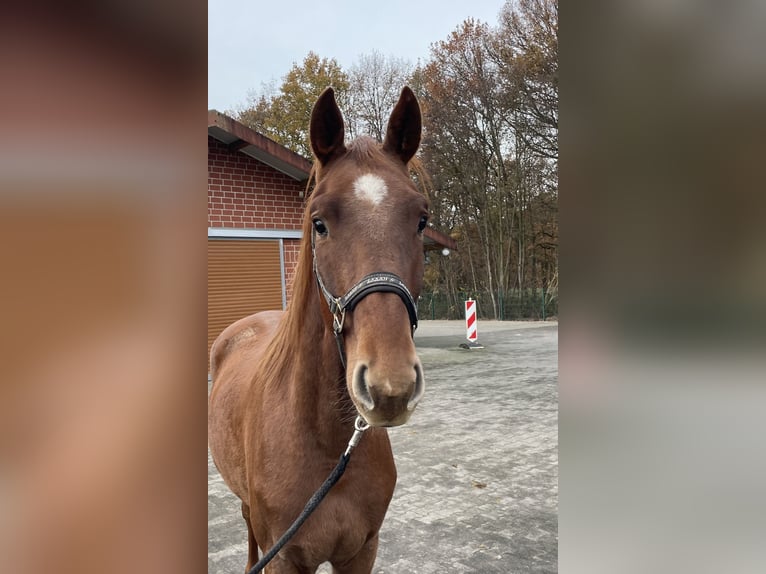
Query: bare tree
[375,82]
[526,49]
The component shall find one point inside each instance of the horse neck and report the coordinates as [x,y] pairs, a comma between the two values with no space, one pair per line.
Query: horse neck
[310,367]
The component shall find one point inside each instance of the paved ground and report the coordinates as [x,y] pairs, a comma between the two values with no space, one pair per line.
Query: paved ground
[477,463]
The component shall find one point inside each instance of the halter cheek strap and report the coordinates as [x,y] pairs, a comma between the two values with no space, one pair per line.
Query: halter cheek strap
[378,282]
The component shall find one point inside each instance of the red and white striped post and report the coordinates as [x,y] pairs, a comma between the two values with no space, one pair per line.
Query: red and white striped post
[471,326]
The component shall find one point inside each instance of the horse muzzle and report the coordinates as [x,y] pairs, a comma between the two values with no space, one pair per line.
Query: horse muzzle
[385,397]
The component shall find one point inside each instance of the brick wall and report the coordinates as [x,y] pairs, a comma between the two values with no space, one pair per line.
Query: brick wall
[247,194]
[244,193]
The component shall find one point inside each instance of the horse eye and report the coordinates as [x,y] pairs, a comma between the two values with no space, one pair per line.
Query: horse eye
[422,223]
[320,227]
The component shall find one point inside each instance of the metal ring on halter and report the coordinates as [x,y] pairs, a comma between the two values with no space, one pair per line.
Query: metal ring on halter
[360,425]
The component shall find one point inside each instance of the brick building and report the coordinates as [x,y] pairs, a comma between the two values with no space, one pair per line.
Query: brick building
[255,207]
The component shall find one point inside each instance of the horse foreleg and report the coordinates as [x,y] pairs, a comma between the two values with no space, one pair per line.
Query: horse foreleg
[252,546]
[363,562]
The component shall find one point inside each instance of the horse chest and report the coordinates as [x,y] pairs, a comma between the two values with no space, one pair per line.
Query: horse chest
[347,518]
[341,526]
[365,489]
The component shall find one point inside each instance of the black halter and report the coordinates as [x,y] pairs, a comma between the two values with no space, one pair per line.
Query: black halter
[378,282]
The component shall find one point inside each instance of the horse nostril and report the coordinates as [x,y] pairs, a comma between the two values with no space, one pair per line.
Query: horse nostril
[360,387]
[420,388]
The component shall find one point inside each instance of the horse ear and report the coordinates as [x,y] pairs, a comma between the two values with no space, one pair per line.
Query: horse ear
[403,132]
[326,129]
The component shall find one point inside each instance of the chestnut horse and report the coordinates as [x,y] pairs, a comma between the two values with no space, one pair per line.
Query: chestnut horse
[285,392]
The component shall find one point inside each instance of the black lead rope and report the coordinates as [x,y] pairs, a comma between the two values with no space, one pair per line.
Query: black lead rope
[359,427]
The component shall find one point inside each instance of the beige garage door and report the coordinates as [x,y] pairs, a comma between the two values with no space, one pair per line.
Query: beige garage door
[244,276]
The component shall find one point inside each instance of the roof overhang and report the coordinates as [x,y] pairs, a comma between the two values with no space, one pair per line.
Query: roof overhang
[239,137]
[433,240]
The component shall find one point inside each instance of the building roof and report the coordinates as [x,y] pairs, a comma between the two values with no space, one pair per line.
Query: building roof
[239,137]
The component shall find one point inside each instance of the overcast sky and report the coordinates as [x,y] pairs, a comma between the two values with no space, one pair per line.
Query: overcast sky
[251,42]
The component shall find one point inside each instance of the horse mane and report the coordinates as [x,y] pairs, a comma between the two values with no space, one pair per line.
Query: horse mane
[300,310]
[304,303]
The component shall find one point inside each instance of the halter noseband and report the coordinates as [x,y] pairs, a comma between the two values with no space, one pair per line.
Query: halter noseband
[378,282]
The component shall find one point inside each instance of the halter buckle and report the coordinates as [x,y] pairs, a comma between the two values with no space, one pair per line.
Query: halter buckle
[338,316]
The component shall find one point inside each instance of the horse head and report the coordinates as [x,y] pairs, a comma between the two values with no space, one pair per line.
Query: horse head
[367,223]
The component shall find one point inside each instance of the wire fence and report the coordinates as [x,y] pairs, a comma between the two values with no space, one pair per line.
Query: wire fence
[518,304]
